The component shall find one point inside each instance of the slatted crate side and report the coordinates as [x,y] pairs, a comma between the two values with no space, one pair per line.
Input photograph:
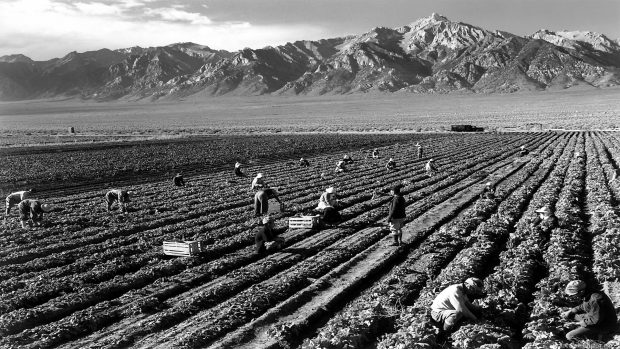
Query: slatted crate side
[303,222]
[182,249]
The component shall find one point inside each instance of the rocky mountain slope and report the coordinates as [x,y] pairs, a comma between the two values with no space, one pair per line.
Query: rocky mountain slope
[430,55]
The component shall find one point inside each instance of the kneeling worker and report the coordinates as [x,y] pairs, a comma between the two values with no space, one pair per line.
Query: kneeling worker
[453,303]
[31,212]
[178,180]
[327,203]
[261,200]
[596,316]
[264,234]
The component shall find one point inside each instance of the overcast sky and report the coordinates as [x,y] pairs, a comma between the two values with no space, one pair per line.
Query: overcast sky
[44,29]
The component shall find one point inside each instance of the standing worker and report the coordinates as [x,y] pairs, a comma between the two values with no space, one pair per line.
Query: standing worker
[261,200]
[238,172]
[396,217]
[327,206]
[265,233]
[453,303]
[596,314]
[430,167]
[117,195]
[31,212]
[178,180]
[420,151]
[304,163]
[15,198]
[391,165]
[258,182]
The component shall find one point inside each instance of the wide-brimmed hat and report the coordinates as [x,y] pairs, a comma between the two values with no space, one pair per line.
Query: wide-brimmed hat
[544,209]
[260,175]
[267,219]
[574,287]
[330,190]
[475,284]
[47,207]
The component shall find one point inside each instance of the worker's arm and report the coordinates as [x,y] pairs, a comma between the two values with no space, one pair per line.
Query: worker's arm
[461,304]
[591,311]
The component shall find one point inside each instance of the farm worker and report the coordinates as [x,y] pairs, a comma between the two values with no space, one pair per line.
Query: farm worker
[396,217]
[178,180]
[327,205]
[303,162]
[31,212]
[340,166]
[15,198]
[347,158]
[375,154]
[615,178]
[453,303]
[391,164]
[545,222]
[258,182]
[261,200]
[596,314]
[265,233]
[114,195]
[488,192]
[523,151]
[430,167]
[238,172]
[420,151]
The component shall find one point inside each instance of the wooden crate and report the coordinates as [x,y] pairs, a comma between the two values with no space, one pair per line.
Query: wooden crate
[182,249]
[304,222]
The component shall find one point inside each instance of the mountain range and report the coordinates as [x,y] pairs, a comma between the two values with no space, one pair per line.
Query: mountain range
[430,55]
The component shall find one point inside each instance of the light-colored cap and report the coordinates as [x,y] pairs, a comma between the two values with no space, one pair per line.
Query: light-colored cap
[474,283]
[47,207]
[267,219]
[330,190]
[545,209]
[260,175]
[488,184]
[574,287]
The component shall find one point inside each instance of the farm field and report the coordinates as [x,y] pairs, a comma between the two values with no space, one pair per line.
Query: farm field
[93,279]
[47,121]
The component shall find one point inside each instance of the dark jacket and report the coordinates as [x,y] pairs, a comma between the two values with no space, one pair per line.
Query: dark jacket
[178,181]
[263,234]
[397,209]
[596,311]
[545,225]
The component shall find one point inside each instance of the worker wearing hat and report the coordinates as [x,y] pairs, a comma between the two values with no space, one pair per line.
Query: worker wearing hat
[327,206]
[15,198]
[523,151]
[258,182]
[347,158]
[178,180]
[265,233]
[596,315]
[430,167]
[453,303]
[397,215]
[117,195]
[31,212]
[420,150]
[340,166]
[238,171]
[261,200]
[545,223]
[304,162]
[391,164]
[488,192]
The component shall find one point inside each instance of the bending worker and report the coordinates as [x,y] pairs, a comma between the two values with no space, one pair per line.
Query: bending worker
[453,303]
[117,195]
[375,154]
[178,180]
[523,151]
[488,192]
[596,314]
[347,158]
[391,165]
[258,182]
[303,162]
[261,200]
[430,167]
[31,212]
[420,151]
[340,166]
[238,172]
[327,206]
[14,199]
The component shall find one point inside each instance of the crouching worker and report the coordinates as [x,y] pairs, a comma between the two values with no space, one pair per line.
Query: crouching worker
[396,218]
[261,200]
[340,167]
[265,233]
[117,195]
[327,206]
[391,164]
[488,192]
[453,303]
[596,316]
[14,199]
[178,180]
[31,212]
[238,171]
[304,162]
